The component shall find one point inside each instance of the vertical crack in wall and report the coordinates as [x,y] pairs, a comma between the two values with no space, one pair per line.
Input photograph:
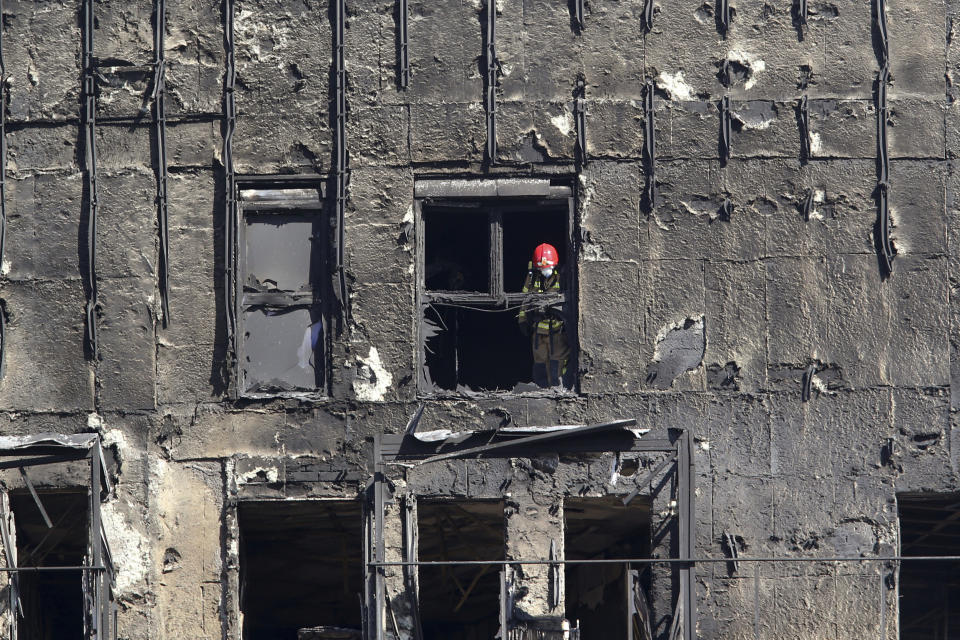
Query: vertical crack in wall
[89,121]
[160,131]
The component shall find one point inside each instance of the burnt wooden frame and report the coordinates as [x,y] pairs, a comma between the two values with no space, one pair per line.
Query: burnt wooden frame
[99,577]
[405,449]
[499,197]
[318,299]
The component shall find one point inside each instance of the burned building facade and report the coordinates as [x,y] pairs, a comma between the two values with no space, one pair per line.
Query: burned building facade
[264,260]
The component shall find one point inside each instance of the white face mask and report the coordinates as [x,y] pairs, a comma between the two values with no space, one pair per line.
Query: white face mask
[546,271]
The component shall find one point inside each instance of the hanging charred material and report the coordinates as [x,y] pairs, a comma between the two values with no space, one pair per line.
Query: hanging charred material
[492,73]
[89,124]
[723,17]
[806,389]
[230,187]
[725,130]
[580,121]
[577,9]
[885,249]
[3,190]
[403,49]
[650,145]
[800,17]
[807,207]
[648,16]
[342,158]
[160,131]
[803,122]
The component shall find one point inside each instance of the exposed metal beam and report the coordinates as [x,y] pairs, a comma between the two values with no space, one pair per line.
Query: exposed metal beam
[36,498]
[541,438]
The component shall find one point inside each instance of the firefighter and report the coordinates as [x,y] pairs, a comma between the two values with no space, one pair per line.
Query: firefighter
[544,324]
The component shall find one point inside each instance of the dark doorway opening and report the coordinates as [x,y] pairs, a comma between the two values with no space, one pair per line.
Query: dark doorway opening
[52,600]
[479,349]
[598,596]
[460,602]
[301,567]
[929,590]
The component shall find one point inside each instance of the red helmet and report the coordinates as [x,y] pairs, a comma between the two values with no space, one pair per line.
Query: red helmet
[545,256]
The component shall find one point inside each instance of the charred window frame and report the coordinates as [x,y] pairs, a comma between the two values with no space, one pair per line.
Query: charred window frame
[282,288]
[485,210]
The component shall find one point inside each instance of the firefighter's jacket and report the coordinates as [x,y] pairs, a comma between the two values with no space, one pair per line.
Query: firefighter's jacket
[541,320]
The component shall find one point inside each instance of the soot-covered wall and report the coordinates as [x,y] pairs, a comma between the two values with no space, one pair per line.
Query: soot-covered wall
[749,301]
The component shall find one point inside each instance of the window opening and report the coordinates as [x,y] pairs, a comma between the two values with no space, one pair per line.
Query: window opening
[521,235]
[282,292]
[929,591]
[52,601]
[479,350]
[301,569]
[476,260]
[457,252]
[606,599]
[460,602]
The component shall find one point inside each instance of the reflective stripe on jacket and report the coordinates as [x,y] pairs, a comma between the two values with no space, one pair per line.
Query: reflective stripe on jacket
[546,322]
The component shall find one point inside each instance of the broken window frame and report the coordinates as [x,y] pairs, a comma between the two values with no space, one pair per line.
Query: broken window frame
[317,301]
[500,197]
[99,575]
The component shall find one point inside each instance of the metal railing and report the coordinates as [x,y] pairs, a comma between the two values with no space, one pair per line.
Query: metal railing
[870,594]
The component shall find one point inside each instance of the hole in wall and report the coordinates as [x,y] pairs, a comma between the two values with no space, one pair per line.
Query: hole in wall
[596,595]
[52,600]
[929,591]
[301,567]
[460,603]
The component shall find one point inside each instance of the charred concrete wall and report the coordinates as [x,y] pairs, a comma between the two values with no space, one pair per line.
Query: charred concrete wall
[748,302]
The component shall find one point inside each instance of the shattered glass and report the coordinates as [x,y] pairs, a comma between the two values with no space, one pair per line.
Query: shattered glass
[279,252]
[283,349]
